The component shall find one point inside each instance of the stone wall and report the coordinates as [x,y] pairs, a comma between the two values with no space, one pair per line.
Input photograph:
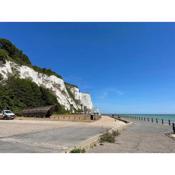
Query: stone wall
[75,117]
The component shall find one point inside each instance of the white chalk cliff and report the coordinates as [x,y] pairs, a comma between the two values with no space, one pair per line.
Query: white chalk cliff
[53,83]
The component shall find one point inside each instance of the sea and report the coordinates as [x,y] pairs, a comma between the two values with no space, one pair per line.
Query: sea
[165,117]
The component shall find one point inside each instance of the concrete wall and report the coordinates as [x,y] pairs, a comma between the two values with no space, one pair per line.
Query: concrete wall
[75,117]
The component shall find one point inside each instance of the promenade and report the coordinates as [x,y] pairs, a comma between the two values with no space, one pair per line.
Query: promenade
[140,137]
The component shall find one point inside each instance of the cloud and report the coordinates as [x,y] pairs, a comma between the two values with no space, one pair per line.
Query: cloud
[108,92]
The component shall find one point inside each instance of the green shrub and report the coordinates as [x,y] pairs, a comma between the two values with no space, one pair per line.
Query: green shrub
[115,133]
[107,137]
[3,55]
[16,55]
[78,150]
[18,94]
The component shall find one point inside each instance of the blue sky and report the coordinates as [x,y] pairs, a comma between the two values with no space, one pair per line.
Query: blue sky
[127,67]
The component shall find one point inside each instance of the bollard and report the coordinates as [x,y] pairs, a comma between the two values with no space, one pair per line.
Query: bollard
[162,122]
[173,128]
[156,120]
[169,122]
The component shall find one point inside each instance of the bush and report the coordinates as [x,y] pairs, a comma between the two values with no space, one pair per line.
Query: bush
[17,55]
[3,55]
[18,94]
[78,150]
[115,133]
[107,137]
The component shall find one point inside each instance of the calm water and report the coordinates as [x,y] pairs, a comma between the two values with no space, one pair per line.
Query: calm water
[166,117]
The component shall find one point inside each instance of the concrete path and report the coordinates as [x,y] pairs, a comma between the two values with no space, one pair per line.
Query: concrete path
[140,137]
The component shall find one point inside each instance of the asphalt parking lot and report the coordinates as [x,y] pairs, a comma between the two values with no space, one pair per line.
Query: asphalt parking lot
[43,136]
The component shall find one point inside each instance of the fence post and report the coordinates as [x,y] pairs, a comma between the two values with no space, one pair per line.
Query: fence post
[169,122]
[173,128]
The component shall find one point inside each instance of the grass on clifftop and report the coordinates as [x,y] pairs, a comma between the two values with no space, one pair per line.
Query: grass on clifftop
[8,51]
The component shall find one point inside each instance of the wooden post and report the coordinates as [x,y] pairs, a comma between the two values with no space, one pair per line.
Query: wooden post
[152,120]
[156,120]
[169,122]
[162,122]
[173,125]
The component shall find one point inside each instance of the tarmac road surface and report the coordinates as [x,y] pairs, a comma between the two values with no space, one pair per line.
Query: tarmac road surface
[40,137]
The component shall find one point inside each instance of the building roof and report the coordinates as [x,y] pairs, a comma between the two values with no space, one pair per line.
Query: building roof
[40,111]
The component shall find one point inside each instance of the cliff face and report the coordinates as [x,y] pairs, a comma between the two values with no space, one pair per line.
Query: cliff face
[84,98]
[67,95]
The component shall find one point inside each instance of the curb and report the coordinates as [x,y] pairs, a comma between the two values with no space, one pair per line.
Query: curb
[93,141]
